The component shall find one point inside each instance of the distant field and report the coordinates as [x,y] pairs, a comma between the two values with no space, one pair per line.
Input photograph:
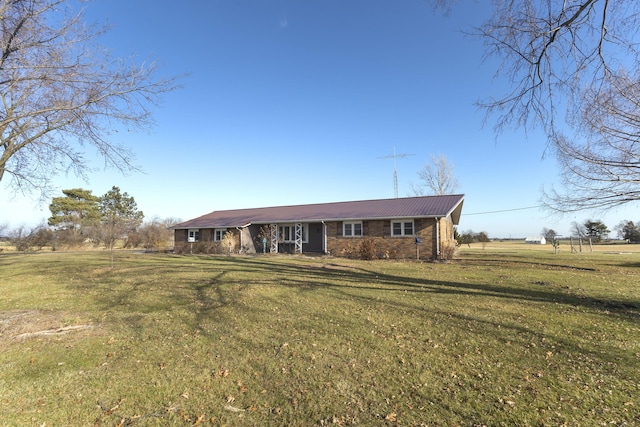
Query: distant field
[509,334]
[565,246]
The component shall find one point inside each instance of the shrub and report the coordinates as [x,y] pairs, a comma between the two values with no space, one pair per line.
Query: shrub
[132,240]
[448,251]
[348,251]
[28,239]
[228,242]
[367,249]
[155,234]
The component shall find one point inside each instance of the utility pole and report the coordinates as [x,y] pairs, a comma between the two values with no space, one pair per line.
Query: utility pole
[395,169]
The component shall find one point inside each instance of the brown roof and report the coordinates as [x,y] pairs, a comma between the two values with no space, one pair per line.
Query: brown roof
[409,207]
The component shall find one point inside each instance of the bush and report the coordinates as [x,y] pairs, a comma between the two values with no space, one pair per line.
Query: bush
[133,240]
[24,239]
[448,251]
[367,249]
[155,235]
[228,242]
[348,251]
[208,248]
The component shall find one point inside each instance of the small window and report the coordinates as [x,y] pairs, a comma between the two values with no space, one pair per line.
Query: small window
[352,229]
[402,228]
[397,228]
[408,228]
[193,235]
[218,234]
[287,233]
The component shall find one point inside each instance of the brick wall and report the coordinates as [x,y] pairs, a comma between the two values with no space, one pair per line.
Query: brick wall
[205,245]
[379,231]
[386,246]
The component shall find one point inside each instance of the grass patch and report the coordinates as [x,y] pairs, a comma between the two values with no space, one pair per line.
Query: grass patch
[495,338]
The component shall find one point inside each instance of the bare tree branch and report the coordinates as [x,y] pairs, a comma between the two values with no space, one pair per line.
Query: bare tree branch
[436,178]
[566,64]
[60,92]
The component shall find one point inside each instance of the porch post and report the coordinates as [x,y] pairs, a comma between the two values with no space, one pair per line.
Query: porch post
[298,237]
[274,238]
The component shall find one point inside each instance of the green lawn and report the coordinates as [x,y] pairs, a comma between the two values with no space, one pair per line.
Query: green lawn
[505,335]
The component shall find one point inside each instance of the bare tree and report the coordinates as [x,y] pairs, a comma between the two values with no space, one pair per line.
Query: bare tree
[602,168]
[26,239]
[436,177]
[156,233]
[573,71]
[578,230]
[60,90]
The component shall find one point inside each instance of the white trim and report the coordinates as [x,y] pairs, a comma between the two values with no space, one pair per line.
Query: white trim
[403,226]
[352,225]
[289,235]
[274,238]
[223,231]
[299,236]
[193,235]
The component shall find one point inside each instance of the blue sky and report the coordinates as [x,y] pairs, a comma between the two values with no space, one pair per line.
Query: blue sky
[293,102]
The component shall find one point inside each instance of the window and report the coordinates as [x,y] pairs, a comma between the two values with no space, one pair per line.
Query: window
[193,235]
[218,234]
[287,233]
[402,228]
[352,229]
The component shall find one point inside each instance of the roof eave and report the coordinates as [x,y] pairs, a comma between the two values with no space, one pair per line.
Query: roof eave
[308,220]
[456,212]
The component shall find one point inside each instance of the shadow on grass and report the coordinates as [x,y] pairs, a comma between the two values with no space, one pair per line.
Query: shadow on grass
[206,292]
[627,265]
[361,278]
[346,281]
[195,289]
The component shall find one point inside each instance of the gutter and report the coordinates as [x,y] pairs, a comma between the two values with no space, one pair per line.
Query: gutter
[437,238]
[241,233]
[324,237]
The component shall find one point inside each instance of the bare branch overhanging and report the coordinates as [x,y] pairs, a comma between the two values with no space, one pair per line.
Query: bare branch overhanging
[60,91]
[573,69]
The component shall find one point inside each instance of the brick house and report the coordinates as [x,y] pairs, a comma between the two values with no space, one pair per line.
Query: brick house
[398,228]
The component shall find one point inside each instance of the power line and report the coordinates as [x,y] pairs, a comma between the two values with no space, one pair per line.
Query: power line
[504,210]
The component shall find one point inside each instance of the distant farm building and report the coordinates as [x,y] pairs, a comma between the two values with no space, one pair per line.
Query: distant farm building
[536,240]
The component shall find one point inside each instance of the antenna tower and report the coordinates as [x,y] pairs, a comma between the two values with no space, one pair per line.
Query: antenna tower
[395,169]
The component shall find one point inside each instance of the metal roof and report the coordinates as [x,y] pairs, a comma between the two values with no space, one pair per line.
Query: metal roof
[409,207]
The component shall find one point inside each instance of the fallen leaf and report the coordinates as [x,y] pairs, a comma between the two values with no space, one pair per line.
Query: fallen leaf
[222,372]
[199,420]
[112,410]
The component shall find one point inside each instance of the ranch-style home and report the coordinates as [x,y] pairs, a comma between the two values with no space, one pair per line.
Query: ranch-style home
[392,228]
